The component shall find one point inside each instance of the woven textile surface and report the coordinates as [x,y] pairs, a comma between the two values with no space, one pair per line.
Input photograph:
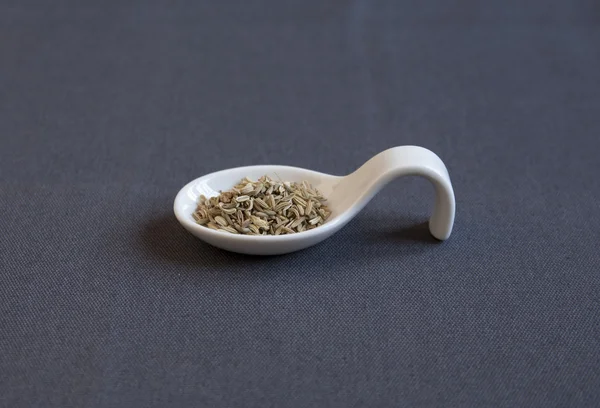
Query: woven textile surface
[108,108]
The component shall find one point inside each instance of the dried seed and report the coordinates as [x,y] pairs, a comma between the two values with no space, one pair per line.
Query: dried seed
[258,189]
[299,201]
[231,204]
[263,207]
[214,211]
[323,213]
[229,210]
[295,212]
[227,218]
[311,192]
[309,207]
[261,203]
[281,223]
[226,197]
[221,221]
[301,210]
[298,222]
[259,222]
[280,206]
[202,221]
[315,220]
[247,189]
[229,229]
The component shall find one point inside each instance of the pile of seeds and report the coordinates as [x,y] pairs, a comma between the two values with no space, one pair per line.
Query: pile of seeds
[264,207]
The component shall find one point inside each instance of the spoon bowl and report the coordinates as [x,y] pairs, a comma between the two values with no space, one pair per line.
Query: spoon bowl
[346,196]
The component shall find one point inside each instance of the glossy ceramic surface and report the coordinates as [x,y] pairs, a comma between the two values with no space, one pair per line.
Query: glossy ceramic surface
[346,197]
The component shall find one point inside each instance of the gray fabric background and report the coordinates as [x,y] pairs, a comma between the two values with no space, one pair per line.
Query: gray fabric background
[108,108]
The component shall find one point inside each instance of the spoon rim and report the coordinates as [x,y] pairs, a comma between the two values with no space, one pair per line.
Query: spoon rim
[182,217]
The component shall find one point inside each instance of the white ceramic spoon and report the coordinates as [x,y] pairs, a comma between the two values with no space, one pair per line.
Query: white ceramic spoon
[346,197]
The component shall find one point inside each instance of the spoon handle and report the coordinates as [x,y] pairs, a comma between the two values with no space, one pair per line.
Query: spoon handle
[411,161]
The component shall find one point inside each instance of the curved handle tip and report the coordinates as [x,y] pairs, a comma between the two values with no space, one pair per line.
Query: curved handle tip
[414,161]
